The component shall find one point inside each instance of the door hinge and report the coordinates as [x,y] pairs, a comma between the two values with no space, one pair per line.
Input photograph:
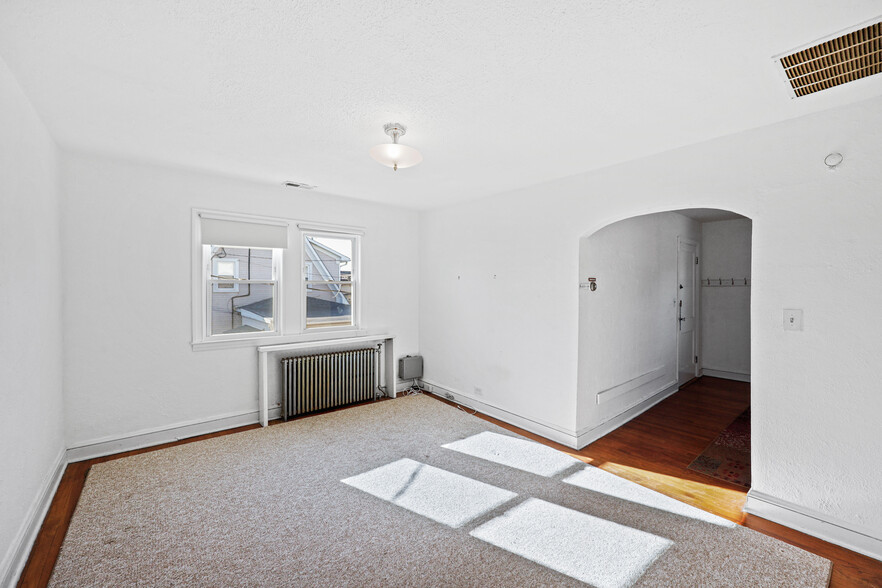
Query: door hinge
[696,260]
[696,359]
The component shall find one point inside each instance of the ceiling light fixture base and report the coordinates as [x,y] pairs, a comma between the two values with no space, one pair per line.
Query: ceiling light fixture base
[395,130]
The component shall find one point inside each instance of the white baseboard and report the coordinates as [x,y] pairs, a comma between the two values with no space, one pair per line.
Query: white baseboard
[737,376]
[592,434]
[630,385]
[547,430]
[159,435]
[17,556]
[813,523]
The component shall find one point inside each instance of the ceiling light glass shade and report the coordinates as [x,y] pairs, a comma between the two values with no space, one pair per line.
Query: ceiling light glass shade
[395,155]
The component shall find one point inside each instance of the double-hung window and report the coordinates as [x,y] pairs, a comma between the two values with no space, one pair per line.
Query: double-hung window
[330,280]
[241,265]
[240,293]
[242,303]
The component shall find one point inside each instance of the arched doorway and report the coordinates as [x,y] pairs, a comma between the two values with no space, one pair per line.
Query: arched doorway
[665,299]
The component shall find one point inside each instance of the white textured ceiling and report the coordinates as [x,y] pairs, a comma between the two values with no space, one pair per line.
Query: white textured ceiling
[495,95]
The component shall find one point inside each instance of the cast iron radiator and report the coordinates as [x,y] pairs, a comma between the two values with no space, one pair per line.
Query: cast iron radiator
[326,380]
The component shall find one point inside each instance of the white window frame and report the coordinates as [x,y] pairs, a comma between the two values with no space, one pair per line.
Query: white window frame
[355,278]
[204,283]
[289,327]
[208,279]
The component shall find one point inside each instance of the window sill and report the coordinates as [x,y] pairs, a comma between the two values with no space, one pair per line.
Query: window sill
[277,340]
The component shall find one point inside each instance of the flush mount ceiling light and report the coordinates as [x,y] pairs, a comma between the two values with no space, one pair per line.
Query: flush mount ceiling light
[393,154]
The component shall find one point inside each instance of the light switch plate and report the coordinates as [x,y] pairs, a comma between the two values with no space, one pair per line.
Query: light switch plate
[792,319]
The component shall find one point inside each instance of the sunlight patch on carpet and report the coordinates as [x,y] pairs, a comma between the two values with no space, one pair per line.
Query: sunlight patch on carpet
[521,454]
[437,494]
[596,551]
[597,480]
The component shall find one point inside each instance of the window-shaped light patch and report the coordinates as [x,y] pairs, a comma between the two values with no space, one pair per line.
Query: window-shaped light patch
[516,453]
[434,493]
[597,480]
[596,551]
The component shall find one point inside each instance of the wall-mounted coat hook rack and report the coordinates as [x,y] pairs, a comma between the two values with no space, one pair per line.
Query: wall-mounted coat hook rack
[725,282]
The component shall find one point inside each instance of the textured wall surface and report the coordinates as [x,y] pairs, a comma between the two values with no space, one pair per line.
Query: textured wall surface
[31,407]
[816,246]
[725,311]
[627,326]
[129,365]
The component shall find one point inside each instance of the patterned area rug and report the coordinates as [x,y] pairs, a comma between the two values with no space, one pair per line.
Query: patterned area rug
[728,457]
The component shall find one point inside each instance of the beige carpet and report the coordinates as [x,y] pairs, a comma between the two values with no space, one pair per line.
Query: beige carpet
[410,492]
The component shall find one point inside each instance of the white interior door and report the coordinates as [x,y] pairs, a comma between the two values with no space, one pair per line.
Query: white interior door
[687,283]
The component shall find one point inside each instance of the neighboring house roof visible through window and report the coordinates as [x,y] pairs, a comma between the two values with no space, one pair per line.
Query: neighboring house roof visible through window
[333,253]
[318,308]
[312,254]
[261,308]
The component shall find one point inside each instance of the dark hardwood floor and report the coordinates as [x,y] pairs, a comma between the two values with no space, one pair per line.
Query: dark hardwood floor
[653,450]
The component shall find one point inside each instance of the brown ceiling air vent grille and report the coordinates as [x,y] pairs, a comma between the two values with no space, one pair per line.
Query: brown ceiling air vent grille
[844,59]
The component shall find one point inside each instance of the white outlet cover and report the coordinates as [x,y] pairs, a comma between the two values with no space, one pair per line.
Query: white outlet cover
[792,319]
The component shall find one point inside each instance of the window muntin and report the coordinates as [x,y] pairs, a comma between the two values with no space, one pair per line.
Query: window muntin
[330,280]
[243,292]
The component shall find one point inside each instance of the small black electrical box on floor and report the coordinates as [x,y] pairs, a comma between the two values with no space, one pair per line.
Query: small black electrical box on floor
[410,367]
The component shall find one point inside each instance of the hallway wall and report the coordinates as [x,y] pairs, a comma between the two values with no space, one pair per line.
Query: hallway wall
[627,327]
[725,311]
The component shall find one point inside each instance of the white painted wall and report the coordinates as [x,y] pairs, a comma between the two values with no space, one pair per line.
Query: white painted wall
[725,311]
[628,326]
[31,408]
[816,246]
[497,316]
[129,365]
